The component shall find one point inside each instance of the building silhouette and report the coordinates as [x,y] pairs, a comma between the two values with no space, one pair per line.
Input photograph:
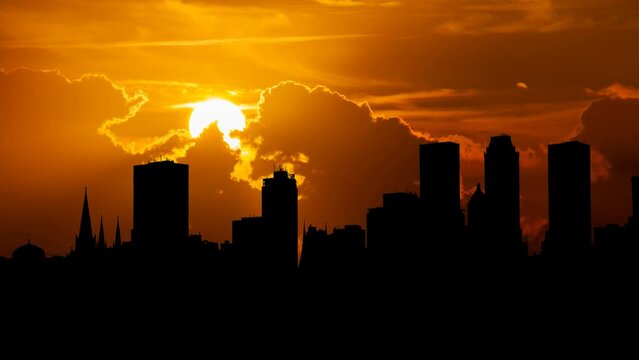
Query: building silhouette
[279,210]
[250,243]
[396,233]
[269,243]
[614,241]
[117,243]
[569,204]
[439,183]
[85,240]
[634,181]
[101,242]
[477,230]
[341,252]
[501,179]
[160,204]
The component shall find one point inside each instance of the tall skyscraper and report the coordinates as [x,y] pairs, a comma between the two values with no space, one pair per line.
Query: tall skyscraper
[160,203]
[85,241]
[279,210]
[569,212]
[501,177]
[439,183]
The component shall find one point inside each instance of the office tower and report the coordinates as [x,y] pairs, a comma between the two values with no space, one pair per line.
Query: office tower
[501,177]
[477,209]
[251,242]
[85,240]
[341,252]
[160,204]
[569,213]
[395,232]
[279,210]
[439,184]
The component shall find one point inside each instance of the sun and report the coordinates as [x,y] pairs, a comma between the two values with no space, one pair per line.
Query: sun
[225,114]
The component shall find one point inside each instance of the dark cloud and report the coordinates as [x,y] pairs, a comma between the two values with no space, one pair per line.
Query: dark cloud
[346,156]
[611,127]
[50,149]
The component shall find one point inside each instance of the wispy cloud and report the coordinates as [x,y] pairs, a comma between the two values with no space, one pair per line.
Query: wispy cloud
[410,97]
[617,91]
[513,17]
[358,3]
[181,43]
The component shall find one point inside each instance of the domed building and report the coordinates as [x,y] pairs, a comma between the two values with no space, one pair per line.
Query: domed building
[28,255]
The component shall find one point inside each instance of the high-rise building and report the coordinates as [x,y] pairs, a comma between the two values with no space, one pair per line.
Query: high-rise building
[477,210]
[395,233]
[85,240]
[439,184]
[250,242]
[569,206]
[279,210]
[501,177]
[160,204]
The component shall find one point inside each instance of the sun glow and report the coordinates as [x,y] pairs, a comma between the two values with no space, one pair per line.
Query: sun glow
[227,116]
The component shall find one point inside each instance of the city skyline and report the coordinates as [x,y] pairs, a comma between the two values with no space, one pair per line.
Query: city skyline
[333,91]
[433,223]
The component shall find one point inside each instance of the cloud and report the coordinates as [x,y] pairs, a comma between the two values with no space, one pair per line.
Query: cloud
[356,3]
[513,17]
[346,156]
[617,91]
[51,149]
[600,167]
[181,43]
[611,127]
[534,229]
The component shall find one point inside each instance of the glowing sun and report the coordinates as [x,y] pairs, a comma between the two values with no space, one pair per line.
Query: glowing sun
[225,114]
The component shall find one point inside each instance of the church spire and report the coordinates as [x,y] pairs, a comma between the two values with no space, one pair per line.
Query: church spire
[85,241]
[101,242]
[118,239]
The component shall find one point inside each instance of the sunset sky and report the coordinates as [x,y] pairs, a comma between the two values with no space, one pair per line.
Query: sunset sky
[339,92]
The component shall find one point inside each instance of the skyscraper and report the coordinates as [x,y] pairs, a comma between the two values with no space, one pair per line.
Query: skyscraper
[501,177]
[160,203]
[569,212]
[439,184]
[395,233]
[279,210]
[477,210]
[85,240]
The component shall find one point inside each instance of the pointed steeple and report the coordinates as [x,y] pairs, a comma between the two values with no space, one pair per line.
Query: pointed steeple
[477,209]
[478,193]
[118,240]
[85,241]
[101,242]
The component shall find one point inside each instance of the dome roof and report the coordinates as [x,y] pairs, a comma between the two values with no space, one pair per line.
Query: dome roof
[28,251]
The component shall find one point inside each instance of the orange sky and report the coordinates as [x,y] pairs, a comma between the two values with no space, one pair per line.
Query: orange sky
[90,88]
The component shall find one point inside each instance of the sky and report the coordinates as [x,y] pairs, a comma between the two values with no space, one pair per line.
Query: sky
[339,92]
